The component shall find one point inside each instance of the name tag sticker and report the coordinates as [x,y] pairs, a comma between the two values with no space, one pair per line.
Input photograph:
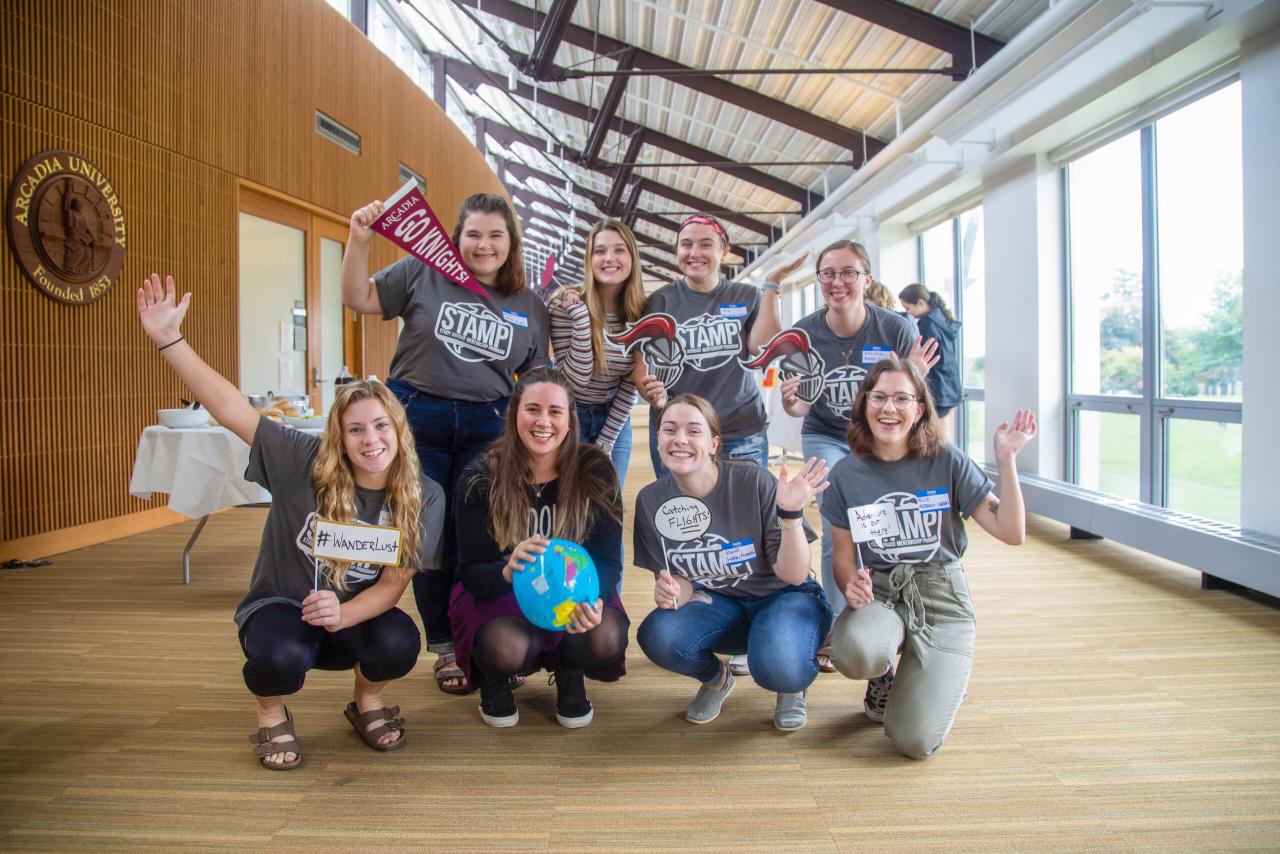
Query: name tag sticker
[871,355]
[933,500]
[736,311]
[873,522]
[356,542]
[732,554]
[515,318]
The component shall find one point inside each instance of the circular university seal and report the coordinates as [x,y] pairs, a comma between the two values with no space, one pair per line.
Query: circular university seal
[66,227]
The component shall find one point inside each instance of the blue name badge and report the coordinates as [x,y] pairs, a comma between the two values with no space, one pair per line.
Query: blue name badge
[732,554]
[873,354]
[735,311]
[515,318]
[933,500]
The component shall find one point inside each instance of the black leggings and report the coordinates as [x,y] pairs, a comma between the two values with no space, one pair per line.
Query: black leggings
[281,648]
[508,645]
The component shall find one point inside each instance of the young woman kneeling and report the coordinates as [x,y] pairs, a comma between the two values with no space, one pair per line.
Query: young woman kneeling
[536,481]
[731,553]
[907,590]
[301,614]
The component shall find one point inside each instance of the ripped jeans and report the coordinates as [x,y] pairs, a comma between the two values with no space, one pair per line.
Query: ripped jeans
[925,610]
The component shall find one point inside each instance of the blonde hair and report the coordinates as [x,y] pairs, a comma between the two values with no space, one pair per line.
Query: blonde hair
[335,483]
[879,294]
[632,299]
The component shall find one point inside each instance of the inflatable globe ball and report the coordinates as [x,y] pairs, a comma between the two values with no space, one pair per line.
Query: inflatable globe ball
[551,587]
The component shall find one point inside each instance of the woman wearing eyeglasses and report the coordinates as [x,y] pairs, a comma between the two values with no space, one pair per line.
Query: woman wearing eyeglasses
[849,336]
[906,589]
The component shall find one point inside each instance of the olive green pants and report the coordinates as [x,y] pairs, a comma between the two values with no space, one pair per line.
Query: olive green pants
[925,611]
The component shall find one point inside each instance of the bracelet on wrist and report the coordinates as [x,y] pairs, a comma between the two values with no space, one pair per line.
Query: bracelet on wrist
[171,343]
[790,514]
[776,287]
[782,523]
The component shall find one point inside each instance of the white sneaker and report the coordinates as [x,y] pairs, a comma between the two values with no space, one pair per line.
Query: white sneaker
[738,666]
[791,712]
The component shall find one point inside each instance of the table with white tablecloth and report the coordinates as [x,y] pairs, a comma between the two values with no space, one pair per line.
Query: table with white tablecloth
[200,468]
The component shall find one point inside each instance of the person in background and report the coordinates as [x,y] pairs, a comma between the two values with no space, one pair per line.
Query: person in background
[611,296]
[455,364]
[299,613]
[729,550]
[937,322]
[537,481]
[848,335]
[907,590]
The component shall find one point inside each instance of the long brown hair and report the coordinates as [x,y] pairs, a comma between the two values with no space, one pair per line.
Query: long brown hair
[587,482]
[510,278]
[335,483]
[926,438]
[853,246]
[632,299]
[917,292]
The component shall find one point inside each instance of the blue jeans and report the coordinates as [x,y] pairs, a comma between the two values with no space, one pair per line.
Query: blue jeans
[591,419]
[754,448]
[449,434]
[832,451]
[780,633]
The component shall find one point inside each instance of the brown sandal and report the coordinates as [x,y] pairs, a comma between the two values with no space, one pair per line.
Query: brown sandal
[824,659]
[264,744]
[447,671]
[360,722]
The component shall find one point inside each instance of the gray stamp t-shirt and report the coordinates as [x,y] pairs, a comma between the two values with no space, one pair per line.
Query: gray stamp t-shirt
[930,496]
[845,361]
[712,329]
[280,461]
[456,344]
[726,542]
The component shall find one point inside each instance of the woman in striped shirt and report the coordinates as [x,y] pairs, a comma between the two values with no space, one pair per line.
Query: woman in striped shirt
[611,296]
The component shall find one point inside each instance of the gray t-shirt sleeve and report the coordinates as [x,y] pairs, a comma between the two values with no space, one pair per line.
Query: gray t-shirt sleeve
[395,287]
[834,502]
[280,457]
[969,482]
[540,326]
[430,525]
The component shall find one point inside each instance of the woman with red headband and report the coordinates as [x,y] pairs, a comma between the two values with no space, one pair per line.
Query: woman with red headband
[716,324]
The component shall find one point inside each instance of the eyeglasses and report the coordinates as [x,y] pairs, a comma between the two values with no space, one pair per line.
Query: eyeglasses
[849,275]
[900,401]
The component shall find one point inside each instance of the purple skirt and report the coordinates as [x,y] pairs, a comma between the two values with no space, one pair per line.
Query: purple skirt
[469,613]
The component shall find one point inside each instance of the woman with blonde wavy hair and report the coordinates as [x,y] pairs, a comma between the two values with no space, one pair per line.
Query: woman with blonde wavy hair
[302,613]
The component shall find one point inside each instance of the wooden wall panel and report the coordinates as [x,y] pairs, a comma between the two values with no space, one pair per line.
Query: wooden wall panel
[178,103]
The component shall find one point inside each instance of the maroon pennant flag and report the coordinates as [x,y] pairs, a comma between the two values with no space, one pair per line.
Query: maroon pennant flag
[409,223]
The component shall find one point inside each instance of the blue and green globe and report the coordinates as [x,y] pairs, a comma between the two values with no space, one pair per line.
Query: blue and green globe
[550,587]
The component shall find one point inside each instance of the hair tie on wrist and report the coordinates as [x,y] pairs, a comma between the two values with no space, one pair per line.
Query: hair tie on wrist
[790,514]
[171,343]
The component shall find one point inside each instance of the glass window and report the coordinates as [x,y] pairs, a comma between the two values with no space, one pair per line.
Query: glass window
[1110,453]
[1204,469]
[939,261]
[341,6]
[1201,223]
[976,439]
[973,277]
[1105,223]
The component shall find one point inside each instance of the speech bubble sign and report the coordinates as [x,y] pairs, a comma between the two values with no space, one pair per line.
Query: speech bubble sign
[873,522]
[682,519]
[356,543]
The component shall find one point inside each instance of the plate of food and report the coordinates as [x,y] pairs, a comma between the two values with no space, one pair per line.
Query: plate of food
[305,422]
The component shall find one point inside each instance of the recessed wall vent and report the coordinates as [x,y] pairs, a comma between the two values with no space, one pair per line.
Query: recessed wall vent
[335,132]
[407,174]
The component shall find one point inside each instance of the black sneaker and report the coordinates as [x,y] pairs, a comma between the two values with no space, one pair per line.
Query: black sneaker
[877,697]
[573,709]
[497,704]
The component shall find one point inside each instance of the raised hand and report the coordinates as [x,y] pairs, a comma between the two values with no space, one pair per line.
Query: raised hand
[1011,438]
[793,492]
[362,221]
[160,311]
[858,591]
[523,555]
[924,354]
[786,269]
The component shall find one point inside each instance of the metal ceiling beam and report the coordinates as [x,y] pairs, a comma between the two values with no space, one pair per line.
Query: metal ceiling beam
[923,27]
[543,58]
[608,109]
[509,135]
[740,96]
[623,173]
[470,76]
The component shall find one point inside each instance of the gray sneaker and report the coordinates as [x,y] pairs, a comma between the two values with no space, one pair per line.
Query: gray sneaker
[878,696]
[705,706]
[791,712]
